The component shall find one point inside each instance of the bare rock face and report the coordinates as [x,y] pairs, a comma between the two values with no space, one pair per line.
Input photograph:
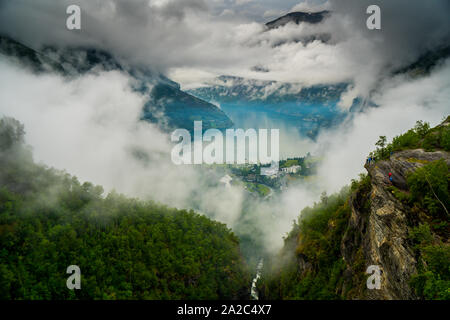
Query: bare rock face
[380,224]
[403,162]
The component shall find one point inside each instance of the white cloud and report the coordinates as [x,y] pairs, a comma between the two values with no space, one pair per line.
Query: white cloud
[401,102]
[178,36]
[89,127]
[312,6]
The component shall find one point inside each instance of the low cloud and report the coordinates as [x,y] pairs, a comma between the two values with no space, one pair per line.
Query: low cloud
[311,6]
[401,102]
[178,36]
[90,125]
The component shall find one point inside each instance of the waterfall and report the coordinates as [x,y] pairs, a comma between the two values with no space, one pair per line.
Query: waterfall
[253,291]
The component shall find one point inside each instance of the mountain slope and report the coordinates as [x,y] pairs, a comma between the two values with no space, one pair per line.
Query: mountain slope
[125,248]
[167,105]
[425,63]
[182,109]
[24,55]
[400,226]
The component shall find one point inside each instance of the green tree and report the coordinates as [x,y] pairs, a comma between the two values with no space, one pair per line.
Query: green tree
[381,143]
[422,128]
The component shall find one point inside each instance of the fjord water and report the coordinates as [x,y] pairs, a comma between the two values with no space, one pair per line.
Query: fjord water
[304,119]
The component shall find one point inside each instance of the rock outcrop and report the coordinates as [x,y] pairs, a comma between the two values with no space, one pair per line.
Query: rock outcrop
[385,237]
[379,225]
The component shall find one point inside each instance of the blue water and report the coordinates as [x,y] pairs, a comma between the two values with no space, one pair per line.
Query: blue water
[302,118]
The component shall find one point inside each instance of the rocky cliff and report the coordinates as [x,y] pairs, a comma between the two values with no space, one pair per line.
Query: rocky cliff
[400,226]
[382,229]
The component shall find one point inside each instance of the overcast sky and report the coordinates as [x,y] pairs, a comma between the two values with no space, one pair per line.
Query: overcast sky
[192,41]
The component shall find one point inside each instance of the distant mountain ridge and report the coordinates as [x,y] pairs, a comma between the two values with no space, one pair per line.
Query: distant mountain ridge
[297,18]
[232,89]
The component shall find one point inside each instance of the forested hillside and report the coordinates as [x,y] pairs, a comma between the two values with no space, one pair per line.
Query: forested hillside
[395,217]
[125,248]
